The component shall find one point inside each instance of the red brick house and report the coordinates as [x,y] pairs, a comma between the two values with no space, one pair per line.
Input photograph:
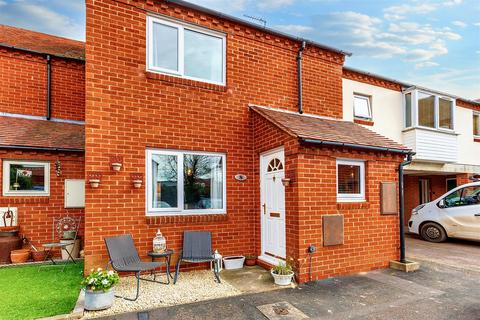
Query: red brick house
[42,112]
[210,112]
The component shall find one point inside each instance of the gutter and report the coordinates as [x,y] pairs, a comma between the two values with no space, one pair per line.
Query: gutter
[256,26]
[299,76]
[49,87]
[41,148]
[402,205]
[356,146]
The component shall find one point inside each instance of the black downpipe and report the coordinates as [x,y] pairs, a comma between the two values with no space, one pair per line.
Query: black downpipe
[49,86]
[299,76]
[402,206]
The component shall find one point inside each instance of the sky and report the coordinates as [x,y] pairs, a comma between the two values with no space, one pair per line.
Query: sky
[431,43]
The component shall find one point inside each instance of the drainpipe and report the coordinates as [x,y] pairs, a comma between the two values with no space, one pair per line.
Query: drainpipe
[402,206]
[299,76]
[49,86]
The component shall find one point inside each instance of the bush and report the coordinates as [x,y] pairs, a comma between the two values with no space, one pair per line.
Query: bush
[282,269]
[100,280]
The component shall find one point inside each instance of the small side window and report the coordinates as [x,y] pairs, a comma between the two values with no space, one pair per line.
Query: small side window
[362,107]
[26,178]
[350,180]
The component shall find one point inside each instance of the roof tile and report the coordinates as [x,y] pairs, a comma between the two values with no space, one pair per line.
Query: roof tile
[326,130]
[41,42]
[41,134]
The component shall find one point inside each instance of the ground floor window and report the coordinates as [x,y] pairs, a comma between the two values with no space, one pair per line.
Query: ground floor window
[26,178]
[350,180]
[185,182]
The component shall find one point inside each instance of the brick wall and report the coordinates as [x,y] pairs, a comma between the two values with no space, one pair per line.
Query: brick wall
[129,110]
[371,240]
[35,214]
[24,85]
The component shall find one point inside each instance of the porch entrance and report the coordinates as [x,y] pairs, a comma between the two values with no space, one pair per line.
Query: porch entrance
[272,197]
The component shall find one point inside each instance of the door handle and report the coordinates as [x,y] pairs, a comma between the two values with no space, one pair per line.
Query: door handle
[264,208]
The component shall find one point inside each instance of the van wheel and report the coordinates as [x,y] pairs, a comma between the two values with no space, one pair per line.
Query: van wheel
[433,232]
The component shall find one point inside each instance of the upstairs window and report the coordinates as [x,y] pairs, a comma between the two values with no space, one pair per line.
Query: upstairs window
[362,107]
[476,124]
[185,51]
[428,110]
[26,178]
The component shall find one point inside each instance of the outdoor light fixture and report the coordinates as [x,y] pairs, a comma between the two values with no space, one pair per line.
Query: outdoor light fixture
[94,179]
[286,182]
[137,179]
[116,162]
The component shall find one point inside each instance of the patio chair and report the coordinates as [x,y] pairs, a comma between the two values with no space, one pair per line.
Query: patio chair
[60,226]
[197,248]
[124,258]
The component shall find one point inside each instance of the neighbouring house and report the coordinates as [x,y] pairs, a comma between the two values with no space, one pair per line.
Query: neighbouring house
[442,129]
[42,112]
[205,109]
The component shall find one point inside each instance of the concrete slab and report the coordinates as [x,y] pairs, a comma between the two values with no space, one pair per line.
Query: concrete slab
[281,310]
[407,266]
[455,253]
[251,279]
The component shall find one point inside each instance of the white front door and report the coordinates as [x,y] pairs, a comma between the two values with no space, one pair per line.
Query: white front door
[272,196]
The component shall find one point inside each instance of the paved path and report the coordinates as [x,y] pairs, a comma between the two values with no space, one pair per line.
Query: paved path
[436,291]
[454,253]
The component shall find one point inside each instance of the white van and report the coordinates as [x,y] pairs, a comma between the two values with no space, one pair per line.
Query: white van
[456,214]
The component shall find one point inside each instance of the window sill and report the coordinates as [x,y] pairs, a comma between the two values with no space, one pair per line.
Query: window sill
[451,132]
[183,81]
[352,205]
[187,219]
[365,122]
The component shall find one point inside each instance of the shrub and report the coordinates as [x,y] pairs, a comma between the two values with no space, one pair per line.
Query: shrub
[100,280]
[282,269]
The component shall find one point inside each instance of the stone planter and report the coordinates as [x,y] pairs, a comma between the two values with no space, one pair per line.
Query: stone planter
[73,249]
[99,300]
[282,280]
[231,263]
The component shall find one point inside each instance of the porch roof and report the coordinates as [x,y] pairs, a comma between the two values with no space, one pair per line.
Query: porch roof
[20,133]
[328,131]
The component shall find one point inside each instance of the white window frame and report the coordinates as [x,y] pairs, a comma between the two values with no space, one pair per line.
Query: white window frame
[348,197]
[476,114]
[369,105]
[414,122]
[151,211]
[181,41]
[25,193]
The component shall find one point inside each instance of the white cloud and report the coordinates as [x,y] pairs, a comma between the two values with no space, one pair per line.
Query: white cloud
[273,4]
[35,15]
[426,64]
[294,28]
[414,8]
[459,23]
[477,24]
[452,3]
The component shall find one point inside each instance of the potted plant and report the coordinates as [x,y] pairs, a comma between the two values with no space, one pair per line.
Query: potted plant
[282,274]
[250,260]
[99,289]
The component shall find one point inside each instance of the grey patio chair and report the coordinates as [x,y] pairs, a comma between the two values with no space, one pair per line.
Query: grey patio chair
[124,258]
[197,248]
[60,226]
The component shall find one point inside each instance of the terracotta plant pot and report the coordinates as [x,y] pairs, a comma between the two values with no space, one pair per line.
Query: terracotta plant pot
[20,256]
[250,261]
[38,255]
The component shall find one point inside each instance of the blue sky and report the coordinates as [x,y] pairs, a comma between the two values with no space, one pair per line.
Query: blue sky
[434,43]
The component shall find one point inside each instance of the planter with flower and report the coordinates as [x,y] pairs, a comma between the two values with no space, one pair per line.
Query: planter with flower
[99,289]
[282,274]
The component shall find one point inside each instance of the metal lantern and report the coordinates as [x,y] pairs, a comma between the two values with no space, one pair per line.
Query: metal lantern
[159,243]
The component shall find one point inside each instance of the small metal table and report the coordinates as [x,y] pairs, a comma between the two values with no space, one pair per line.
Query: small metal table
[167,255]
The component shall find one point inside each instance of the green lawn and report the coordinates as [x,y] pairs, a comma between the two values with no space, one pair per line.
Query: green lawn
[27,293]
